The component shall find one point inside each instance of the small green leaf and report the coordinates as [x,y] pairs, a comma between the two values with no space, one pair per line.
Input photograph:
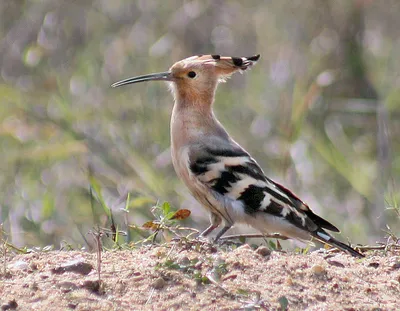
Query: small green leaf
[243,292]
[166,208]
[170,264]
[128,199]
[283,301]
[272,245]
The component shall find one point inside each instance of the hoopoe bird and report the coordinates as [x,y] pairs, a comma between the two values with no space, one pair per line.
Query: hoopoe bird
[219,173]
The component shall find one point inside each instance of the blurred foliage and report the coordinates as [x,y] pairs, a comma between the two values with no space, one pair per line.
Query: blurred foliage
[320,112]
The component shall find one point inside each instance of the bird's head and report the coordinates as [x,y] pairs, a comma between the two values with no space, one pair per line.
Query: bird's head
[197,76]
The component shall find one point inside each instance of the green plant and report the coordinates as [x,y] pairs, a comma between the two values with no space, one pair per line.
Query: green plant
[166,221]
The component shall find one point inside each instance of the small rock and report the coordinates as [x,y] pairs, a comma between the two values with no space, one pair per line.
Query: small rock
[33,286]
[76,266]
[320,298]
[72,306]
[11,305]
[396,265]
[66,286]
[335,263]
[20,265]
[374,265]
[236,265]
[7,275]
[318,269]
[213,249]
[158,283]
[263,251]
[93,286]
[229,277]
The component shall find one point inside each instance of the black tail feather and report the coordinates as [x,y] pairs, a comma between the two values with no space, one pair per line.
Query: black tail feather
[319,221]
[322,236]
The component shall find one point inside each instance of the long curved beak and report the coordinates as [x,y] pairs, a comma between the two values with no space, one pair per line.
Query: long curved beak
[161,76]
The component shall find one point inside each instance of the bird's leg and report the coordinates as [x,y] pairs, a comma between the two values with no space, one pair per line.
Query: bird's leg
[215,222]
[209,229]
[222,232]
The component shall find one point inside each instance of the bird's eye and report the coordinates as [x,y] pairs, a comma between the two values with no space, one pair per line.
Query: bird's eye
[191,74]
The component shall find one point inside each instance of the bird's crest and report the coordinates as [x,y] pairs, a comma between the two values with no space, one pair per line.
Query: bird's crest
[224,65]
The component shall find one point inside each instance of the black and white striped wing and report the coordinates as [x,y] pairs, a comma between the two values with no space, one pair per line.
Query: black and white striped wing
[230,171]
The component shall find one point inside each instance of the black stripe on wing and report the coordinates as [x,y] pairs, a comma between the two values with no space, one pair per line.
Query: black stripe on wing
[250,169]
[300,205]
[200,166]
[297,219]
[252,197]
[227,152]
[223,183]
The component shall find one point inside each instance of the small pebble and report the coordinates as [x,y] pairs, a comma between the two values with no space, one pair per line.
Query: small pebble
[76,266]
[67,286]
[229,277]
[318,269]
[34,286]
[158,283]
[320,298]
[20,265]
[11,305]
[93,286]
[263,251]
[336,263]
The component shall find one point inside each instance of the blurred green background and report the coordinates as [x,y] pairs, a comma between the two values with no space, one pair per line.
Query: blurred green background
[320,111]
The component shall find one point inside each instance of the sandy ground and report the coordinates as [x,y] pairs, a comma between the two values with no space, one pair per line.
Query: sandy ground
[194,276]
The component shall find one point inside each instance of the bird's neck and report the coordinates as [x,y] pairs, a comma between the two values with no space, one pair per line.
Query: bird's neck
[187,97]
[192,119]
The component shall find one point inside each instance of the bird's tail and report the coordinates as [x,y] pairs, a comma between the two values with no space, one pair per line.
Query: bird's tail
[324,237]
